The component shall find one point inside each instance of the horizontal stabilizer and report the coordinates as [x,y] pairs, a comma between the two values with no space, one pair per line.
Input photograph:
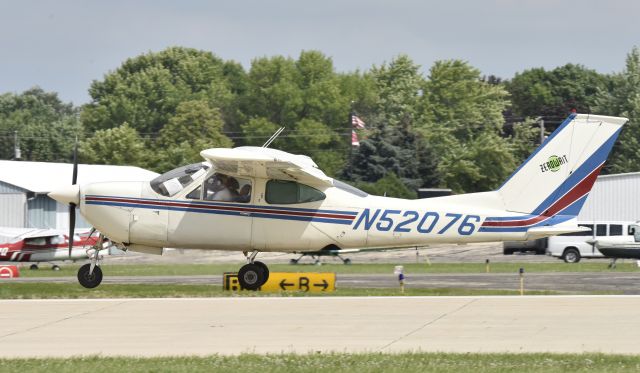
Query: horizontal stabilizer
[541,232]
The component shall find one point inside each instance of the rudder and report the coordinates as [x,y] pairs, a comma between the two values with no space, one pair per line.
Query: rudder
[558,176]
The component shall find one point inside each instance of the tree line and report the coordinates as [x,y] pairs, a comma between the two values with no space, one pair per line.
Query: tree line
[451,127]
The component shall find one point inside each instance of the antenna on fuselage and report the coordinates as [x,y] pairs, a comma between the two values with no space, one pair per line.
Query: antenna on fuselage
[273,137]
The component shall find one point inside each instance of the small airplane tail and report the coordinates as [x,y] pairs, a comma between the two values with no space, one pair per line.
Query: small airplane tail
[556,179]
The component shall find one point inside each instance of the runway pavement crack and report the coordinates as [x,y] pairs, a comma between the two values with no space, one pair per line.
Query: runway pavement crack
[427,324]
[60,320]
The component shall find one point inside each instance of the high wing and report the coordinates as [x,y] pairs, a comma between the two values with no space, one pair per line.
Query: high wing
[14,234]
[266,163]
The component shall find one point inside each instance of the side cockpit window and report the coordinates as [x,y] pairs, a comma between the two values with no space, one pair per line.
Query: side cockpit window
[225,188]
[174,181]
[282,192]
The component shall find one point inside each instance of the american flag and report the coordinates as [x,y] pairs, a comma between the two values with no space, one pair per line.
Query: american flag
[354,139]
[357,122]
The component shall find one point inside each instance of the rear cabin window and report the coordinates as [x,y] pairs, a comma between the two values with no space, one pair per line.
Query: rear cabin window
[601,229]
[615,230]
[281,192]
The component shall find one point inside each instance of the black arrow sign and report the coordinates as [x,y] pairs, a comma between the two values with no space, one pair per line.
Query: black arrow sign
[283,284]
[324,285]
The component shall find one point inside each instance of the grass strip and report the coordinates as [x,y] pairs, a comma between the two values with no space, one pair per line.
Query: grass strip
[111,269]
[75,291]
[336,362]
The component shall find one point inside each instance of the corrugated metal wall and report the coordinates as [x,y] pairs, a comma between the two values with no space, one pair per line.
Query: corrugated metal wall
[62,221]
[41,212]
[12,209]
[8,188]
[613,197]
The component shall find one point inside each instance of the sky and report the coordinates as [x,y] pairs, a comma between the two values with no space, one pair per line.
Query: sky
[64,45]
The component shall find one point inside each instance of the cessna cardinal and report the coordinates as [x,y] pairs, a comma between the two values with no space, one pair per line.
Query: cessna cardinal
[254,199]
[45,246]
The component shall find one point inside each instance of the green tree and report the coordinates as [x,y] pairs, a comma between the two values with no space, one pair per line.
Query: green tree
[272,91]
[478,165]
[398,86]
[146,90]
[390,186]
[307,97]
[624,100]
[45,125]
[194,120]
[394,150]
[117,146]
[554,94]
[194,127]
[462,119]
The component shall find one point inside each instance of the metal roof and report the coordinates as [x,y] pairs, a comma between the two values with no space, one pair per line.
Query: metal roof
[43,177]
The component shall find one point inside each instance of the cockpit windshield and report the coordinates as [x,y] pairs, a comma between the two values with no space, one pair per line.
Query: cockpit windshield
[172,182]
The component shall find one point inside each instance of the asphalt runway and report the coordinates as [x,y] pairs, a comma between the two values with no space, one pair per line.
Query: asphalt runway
[575,282]
[164,327]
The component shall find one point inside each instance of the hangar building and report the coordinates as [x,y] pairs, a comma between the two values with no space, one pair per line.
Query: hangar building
[24,186]
[613,197]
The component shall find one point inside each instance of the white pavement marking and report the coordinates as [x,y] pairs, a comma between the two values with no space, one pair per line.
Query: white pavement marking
[201,326]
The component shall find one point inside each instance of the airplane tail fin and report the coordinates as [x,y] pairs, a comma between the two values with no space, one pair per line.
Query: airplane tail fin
[557,177]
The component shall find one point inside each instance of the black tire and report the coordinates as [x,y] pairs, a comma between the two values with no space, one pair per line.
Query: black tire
[571,255]
[89,281]
[251,276]
[265,271]
[347,261]
[293,261]
[55,267]
[33,267]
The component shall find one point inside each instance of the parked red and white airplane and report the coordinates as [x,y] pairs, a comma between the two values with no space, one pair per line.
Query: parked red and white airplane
[45,246]
[258,199]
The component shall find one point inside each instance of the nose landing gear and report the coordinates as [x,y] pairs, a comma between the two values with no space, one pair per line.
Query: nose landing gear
[253,274]
[90,274]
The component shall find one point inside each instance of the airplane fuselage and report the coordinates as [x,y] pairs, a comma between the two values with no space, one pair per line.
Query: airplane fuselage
[140,217]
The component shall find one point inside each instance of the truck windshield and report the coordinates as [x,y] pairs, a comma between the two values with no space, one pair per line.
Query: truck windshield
[172,182]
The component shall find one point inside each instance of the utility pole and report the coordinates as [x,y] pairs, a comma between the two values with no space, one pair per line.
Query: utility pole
[541,124]
[17,155]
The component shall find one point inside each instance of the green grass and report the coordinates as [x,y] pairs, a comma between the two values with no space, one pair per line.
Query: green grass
[217,269]
[74,291]
[336,362]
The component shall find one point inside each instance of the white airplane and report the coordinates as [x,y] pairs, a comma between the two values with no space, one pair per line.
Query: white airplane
[254,199]
[43,246]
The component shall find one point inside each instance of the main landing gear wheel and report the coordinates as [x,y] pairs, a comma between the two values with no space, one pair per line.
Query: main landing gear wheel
[251,276]
[265,271]
[87,280]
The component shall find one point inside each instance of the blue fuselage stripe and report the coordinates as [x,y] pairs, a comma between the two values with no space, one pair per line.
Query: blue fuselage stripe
[204,210]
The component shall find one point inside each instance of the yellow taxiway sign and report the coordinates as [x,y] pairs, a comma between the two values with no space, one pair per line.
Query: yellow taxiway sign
[315,282]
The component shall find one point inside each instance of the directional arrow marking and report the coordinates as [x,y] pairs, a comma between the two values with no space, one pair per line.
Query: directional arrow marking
[284,284]
[324,285]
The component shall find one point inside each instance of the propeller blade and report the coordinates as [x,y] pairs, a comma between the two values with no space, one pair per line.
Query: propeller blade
[74,178]
[72,206]
[72,225]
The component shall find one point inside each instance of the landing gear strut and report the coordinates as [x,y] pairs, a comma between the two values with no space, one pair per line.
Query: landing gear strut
[90,274]
[253,274]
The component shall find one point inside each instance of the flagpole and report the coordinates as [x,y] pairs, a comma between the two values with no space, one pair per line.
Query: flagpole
[350,133]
